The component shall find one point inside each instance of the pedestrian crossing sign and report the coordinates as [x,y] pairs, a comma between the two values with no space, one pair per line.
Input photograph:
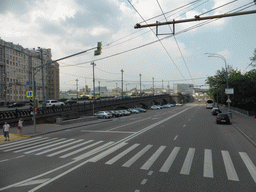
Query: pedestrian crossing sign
[29,94]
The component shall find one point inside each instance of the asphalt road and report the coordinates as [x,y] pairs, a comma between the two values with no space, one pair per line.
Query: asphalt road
[174,149]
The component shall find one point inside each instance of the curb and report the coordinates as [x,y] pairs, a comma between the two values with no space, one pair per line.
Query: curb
[35,135]
[248,138]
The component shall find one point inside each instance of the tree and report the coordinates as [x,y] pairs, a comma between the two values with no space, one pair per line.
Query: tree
[253,59]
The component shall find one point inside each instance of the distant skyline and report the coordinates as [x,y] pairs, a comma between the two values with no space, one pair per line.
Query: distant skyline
[71,26]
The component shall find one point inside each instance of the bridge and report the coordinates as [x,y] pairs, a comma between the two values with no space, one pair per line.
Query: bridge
[82,109]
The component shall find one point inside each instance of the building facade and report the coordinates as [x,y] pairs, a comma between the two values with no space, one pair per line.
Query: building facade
[16,65]
[183,88]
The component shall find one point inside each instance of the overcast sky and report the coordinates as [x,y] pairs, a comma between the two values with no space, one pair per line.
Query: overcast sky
[71,26]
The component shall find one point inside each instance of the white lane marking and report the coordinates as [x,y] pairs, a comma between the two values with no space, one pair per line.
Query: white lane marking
[119,156]
[185,170]
[52,149]
[108,131]
[230,169]
[81,149]
[150,172]
[137,190]
[154,118]
[128,124]
[38,149]
[249,164]
[168,163]
[153,158]
[175,137]
[184,125]
[21,141]
[67,149]
[4,160]
[68,130]
[33,144]
[25,144]
[83,163]
[137,156]
[92,152]
[33,182]
[19,156]
[107,152]
[144,182]
[208,166]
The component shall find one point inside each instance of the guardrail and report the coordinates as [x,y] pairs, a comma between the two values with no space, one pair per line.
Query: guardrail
[20,113]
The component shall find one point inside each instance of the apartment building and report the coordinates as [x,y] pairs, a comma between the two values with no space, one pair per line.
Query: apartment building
[16,65]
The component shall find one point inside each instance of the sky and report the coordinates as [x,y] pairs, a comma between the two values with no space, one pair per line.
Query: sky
[71,26]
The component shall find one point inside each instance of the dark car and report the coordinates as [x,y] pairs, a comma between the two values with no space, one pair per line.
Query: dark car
[18,104]
[70,102]
[115,113]
[215,111]
[222,118]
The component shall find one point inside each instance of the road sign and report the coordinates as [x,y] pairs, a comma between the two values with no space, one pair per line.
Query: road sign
[29,94]
[229,91]
[228,101]
[27,82]
[10,84]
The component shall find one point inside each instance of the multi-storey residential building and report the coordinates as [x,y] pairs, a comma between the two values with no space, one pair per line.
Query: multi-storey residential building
[183,88]
[16,65]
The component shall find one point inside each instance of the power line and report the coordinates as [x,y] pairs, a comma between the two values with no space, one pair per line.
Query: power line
[177,44]
[160,43]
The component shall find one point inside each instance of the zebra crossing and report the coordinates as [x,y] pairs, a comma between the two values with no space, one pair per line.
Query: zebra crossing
[81,149]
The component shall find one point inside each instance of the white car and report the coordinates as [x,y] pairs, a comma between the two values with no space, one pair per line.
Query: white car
[54,103]
[103,114]
[156,107]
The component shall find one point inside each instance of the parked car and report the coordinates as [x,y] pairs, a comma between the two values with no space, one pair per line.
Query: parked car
[215,111]
[222,118]
[166,106]
[156,107]
[70,102]
[125,112]
[18,104]
[115,113]
[179,104]
[140,109]
[103,114]
[54,103]
[172,105]
[133,111]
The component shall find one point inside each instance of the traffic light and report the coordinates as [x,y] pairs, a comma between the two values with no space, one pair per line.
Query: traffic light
[98,51]
[31,102]
[36,111]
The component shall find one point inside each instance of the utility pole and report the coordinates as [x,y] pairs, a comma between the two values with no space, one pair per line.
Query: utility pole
[196,18]
[140,84]
[99,89]
[41,57]
[153,86]
[76,89]
[93,87]
[116,89]
[122,71]
[162,85]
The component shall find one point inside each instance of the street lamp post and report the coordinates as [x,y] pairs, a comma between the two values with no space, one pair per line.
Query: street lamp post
[153,86]
[140,85]
[223,58]
[93,65]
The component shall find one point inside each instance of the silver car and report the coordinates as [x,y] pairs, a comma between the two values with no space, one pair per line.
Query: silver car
[103,114]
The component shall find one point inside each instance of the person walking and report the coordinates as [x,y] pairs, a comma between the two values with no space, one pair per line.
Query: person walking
[20,125]
[6,129]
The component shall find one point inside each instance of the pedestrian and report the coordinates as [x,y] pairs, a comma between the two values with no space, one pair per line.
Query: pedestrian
[20,125]
[6,129]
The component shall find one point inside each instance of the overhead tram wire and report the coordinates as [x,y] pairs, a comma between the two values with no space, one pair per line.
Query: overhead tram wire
[152,42]
[218,7]
[160,43]
[176,43]
[169,11]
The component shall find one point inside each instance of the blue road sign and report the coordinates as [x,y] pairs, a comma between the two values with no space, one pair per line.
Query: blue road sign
[10,84]
[27,82]
[29,94]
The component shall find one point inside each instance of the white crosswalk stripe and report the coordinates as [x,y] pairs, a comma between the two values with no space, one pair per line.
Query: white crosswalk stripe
[208,167]
[137,156]
[2,146]
[31,144]
[168,163]
[98,150]
[230,169]
[188,162]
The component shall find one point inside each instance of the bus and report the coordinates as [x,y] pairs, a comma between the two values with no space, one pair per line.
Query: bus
[209,104]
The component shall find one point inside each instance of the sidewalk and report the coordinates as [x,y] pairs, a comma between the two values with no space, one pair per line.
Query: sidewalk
[243,123]
[42,129]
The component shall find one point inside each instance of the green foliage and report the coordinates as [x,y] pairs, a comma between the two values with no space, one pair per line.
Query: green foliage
[84,97]
[244,85]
